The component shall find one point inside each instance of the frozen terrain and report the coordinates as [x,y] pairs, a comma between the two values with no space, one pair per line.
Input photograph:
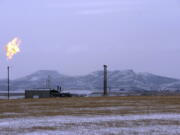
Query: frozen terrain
[91,116]
[154,124]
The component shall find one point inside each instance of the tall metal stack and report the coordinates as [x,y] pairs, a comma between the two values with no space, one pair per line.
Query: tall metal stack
[8,81]
[105,81]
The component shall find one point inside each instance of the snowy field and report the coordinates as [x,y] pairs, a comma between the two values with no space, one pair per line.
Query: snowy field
[91,116]
[154,124]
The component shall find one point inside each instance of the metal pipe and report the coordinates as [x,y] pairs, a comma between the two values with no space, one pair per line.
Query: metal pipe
[8,81]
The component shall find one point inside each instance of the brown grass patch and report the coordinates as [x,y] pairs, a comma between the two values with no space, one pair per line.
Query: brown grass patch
[72,106]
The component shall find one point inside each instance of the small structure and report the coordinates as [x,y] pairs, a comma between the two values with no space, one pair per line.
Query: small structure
[38,93]
[45,93]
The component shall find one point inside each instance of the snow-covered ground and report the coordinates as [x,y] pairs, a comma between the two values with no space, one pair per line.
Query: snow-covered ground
[137,124]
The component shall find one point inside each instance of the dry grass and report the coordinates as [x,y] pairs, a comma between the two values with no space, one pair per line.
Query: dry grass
[89,105]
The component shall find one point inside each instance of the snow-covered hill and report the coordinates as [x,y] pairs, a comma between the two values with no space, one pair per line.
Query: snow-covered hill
[118,80]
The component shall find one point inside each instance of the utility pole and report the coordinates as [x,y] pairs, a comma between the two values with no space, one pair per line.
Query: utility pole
[105,81]
[8,81]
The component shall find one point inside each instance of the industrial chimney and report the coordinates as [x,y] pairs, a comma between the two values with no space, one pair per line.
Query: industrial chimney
[8,81]
[105,81]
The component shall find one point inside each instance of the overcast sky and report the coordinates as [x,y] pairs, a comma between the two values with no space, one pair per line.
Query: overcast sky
[77,37]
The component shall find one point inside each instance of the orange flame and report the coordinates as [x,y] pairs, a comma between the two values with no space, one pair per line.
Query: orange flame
[12,48]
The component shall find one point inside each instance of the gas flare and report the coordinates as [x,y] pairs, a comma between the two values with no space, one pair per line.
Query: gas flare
[12,48]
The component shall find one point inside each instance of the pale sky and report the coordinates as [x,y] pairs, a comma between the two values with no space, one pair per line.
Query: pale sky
[76,37]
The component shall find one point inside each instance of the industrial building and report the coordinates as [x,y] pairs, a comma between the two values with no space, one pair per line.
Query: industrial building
[45,93]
